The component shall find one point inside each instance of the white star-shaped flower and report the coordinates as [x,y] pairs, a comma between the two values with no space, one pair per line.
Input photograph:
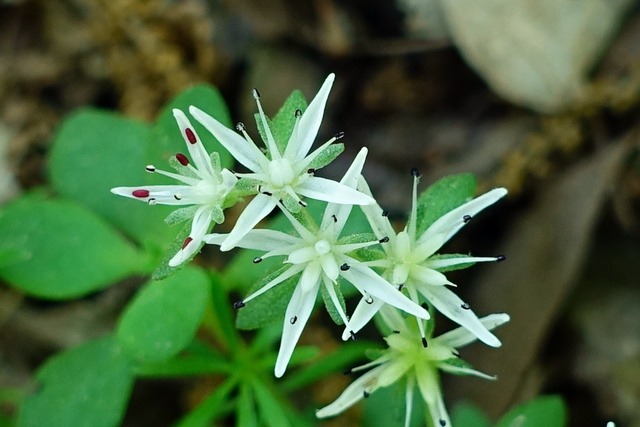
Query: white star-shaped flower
[320,258]
[204,184]
[279,175]
[406,359]
[410,263]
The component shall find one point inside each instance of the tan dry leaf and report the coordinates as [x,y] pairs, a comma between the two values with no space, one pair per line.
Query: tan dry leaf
[535,53]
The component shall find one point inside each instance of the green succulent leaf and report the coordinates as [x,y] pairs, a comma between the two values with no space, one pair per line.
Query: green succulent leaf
[467,414]
[94,151]
[164,316]
[85,386]
[60,250]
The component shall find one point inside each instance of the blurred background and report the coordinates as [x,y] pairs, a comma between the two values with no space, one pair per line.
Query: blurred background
[539,96]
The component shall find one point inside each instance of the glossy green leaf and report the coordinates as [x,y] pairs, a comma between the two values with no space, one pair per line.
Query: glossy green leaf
[220,314]
[164,316]
[84,386]
[95,151]
[469,415]
[547,411]
[62,250]
[166,139]
[444,196]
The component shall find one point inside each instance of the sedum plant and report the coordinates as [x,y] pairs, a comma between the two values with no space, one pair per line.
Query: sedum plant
[329,241]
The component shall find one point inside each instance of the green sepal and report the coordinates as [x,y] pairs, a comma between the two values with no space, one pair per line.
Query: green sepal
[443,196]
[269,307]
[328,302]
[285,120]
[327,156]
[164,270]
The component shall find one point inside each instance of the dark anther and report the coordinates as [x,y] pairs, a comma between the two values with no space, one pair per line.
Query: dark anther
[353,336]
[425,344]
[414,172]
[443,423]
[150,168]
[425,306]
[151,201]
[369,299]
[365,394]
[339,135]
[257,260]
[303,204]
[240,127]
[385,239]
[465,306]
[466,218]
[334,218]
[400,286]
[344,267]
[500,258]
[238,304]
[255,93]
[395,331]
[298,113]
[347,372]
[311,171]
[293,320]
[266,193]
[385,213]
[177,197]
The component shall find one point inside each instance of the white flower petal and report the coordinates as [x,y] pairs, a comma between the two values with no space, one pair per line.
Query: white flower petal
[288,273]
[161,194]
[256,210]
[451,222]
[262,240]
[449,304]
[199,227]
[310,276]
[352,394]
[450,262]
[197,151]
[367,280]
[428,276]
[331,191]
[379,223]
[242,150]
[339,213]
[408,397]
[460,337]
[428,384]
[296,317]
[310,122]
[363,313]
[459,370]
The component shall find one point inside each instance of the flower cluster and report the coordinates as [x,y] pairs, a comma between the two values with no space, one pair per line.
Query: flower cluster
[397,274]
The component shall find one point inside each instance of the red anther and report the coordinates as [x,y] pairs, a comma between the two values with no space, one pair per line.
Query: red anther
[190,136]
[186,242]
[140,193]
[182,159]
